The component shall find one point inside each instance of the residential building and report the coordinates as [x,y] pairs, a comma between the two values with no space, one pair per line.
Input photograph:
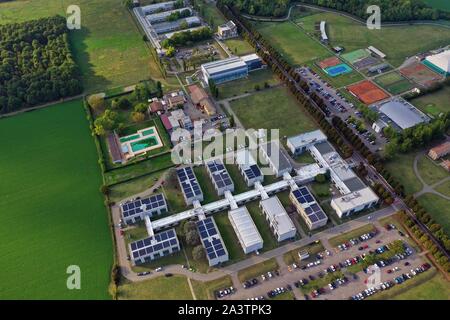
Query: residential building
[136,210]
[276,159]
[227,30]
[300,143]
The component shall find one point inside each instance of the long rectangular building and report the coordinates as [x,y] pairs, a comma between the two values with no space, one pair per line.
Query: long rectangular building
[216,252]
[281,225]
[245,229]
[189,185]
[248,167]
[219,176]
[136,210]
[353,202]
[224,70]
[308,208]
[276,159]
[300,143]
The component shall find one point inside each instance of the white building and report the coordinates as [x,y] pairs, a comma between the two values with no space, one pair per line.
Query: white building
[248,167]
[440,61]
[354,202]
[281,225]
[377,52]
[227,30]
[245,229]
[136,210]
[276,159]
[300,143]
[162,6]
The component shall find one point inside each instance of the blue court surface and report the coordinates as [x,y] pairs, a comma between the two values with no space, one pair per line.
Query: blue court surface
[338,70]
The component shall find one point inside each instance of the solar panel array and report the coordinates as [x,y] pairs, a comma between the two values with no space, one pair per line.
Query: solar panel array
[220,174]
[312,209]
[252,172]
[189,183]
[156,244]
[139,206]
[211,239]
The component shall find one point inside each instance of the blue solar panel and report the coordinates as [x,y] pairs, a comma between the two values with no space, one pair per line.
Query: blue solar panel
[310,205]
[163,240]
[188,182]
[148,205]
[220,175]
[211,238]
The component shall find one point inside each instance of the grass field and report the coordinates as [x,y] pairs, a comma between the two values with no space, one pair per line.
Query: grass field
[242,86]
[108,56]
[239,46]
[394,83]
[205,290]
[401,168]
[395,42]
[444,188]
[273,109]
[312,248]
[257,269]
[262,225]
[127,189]
[335,241]
[430,172]
[51,207]
[156,289]
[292,42]
[434,103]
[438,208]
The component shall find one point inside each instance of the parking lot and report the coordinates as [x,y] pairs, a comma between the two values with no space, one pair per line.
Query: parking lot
[347,285]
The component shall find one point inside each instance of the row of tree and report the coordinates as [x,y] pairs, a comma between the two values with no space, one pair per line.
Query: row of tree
[36,64]
[188,37]
[276,8]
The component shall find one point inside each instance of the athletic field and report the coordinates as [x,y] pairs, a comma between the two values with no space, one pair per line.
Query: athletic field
[51,208]
[394,83]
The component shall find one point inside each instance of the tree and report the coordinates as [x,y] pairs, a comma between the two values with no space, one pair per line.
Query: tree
[192,238]
[170,51]
[189,226]
[198,253]
[124,103]
[137,116]
[97,102]
[140,107]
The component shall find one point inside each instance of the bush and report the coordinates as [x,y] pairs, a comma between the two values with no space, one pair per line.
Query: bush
[198,253]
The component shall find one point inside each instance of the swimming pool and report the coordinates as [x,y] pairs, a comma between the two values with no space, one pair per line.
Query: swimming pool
[143,144]
[338,70]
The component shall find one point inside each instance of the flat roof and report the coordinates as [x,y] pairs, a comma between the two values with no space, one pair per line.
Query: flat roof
[324,147]
[245,227]
[355,199]
[219,66]
[312,209]
[280,160]
[402,113]
[354,184]
[250,57]
[279,217]
[307,138]
[441,60]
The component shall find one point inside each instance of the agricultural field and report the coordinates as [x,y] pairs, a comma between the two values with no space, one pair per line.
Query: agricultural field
[51,207]
[352,35]
[285,113]
[434,103]
[394,83]
[292,42]
[108,57]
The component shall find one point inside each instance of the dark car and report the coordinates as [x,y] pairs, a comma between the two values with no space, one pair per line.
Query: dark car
[168,275]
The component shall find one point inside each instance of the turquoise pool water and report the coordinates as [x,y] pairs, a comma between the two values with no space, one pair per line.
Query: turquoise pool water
[338,70]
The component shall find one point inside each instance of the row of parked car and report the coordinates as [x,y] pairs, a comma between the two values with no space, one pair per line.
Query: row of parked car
[250,283]
[225,292]
[355,241]
[276,291]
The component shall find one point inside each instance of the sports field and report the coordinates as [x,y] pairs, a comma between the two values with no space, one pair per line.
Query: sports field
[396,42]
[394,83]
[367,92]
[292,42]
[273,109]
[109,48]
[420,74]
[434,103]
[51,208]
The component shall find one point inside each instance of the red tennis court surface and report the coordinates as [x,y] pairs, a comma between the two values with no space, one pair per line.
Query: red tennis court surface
[367,92]
[420,74]
[330,62]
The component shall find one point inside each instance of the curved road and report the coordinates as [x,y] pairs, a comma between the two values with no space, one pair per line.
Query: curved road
[426,187]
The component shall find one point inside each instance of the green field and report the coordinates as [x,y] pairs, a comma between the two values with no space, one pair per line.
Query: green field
[156,289]
[431,172]
[438,208]
[257,269]
[401,168]
[335,241]
[242,86]
[395,42]
[439,4]
[394,83]
[444,188]
[205,290]
[434,103]
[51,207]
[292,42]
[108,48]
[239,46]
[273,109]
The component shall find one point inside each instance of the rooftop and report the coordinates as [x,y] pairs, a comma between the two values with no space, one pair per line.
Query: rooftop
[307,138]
[278,159]
[355,199]
[402,113]
[276,213]
[245,226]
[223,65]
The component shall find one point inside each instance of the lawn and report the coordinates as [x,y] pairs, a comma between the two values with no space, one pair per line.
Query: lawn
[270,242]
[434,103]
[312,248]
[257,269]
[287,295]
[108,56]
[395,42]
[156,289]
[430,172]
[240,185]
[273,109]
[394,83]
[401,168]
[51,208]
[205,290]
[209,192]
[444,188]
[256,78]
[438,208]
[229,237]
[130,188]
[292,42]
[239,46]
[335,241]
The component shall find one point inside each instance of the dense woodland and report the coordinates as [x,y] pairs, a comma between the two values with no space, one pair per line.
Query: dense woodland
[36,65]
[391,10]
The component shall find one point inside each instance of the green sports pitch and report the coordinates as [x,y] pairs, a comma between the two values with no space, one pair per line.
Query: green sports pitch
[51,208]
[394,82]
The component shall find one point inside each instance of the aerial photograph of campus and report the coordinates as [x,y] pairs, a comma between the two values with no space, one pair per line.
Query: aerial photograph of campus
[225,150]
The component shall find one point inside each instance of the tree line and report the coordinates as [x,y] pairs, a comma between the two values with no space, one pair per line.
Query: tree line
[276,8]
[36,64]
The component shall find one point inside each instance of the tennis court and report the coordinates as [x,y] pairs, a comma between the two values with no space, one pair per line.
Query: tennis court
[329,62]
[367,92]
[356,55]
[394,83]
[338,70]
[420,74]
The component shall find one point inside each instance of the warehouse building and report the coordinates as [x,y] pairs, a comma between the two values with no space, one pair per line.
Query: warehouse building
[308,208]
[353,202]
[300,143]
[253,62]
[248,167]
[323,32]
[245,229]
[216,252]
[189,184]
[276,159]
[439,62]
[136,210]
[281,225]
[219,176]
[154,247]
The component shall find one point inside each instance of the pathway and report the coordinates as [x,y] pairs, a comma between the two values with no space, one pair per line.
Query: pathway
[426,187]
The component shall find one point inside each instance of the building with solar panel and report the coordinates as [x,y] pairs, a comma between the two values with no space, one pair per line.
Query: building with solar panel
[281,225]
[154,247]
[248,167]
[245,229]
[136,210]
[216,252]
[276,159]
[308,208]
[220,177]
[189,184]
